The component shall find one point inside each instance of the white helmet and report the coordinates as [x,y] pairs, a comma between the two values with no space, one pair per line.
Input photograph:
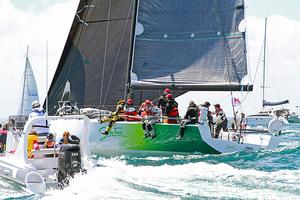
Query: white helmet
[35,104]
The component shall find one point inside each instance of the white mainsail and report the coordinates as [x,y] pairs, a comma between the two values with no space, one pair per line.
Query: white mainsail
[29,91]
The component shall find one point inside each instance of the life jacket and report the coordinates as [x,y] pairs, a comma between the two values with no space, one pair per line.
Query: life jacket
[41,125]
[162,102]
[130,113]
[192,113]
[221,117]
[119,113]
[174,112]
[49,144]
[173,109]
[146,112]
[151,111]
[32,144]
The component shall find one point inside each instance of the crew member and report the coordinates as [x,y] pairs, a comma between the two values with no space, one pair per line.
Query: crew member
[49,143]
[67,139]
[162,101]
[150,115]
[41,125]
[191,117]
[32,141]
[130,111]
[208,116]
[118,115]
[243,121]
[172,113]
[221,121]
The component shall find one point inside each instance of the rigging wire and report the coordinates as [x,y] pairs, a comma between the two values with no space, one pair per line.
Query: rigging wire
[105,52]
[118,52]
[226,46]
[258,63]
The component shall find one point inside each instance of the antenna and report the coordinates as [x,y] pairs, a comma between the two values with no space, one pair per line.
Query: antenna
[46,78]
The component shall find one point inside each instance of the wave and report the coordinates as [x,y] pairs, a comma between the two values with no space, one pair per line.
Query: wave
[12,190]
[118,180]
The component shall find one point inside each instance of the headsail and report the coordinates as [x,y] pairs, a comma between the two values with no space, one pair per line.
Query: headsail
[96,56]
[29,90]
[189,45]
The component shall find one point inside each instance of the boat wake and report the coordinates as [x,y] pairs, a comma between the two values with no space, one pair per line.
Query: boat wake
[118,180]
[181,176]
[11,189]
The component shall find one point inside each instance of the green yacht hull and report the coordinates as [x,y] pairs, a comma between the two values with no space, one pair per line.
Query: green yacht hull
[128,136]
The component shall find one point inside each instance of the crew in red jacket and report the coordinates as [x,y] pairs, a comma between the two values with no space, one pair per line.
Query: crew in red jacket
[171,110]
[130,111]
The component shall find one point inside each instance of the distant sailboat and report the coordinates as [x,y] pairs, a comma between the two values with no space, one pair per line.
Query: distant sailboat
[29,91]
[263,118]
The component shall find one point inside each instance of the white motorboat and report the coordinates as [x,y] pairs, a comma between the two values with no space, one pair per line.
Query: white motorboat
[263,118]
[47,166]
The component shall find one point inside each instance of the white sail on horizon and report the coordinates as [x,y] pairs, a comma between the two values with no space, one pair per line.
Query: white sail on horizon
[29,92]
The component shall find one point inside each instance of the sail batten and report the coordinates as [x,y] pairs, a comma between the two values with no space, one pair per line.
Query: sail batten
[188,43]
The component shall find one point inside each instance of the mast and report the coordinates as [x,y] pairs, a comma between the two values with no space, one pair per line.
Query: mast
[131,51]
[264,65]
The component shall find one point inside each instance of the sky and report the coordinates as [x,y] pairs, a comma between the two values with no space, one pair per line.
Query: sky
[37,22]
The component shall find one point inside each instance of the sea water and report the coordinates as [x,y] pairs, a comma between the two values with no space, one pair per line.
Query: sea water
[261,175]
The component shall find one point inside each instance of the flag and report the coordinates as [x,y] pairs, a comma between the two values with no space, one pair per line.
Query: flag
[236,101]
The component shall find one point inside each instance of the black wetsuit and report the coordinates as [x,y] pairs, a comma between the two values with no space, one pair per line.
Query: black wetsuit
[162,101]
[191,117]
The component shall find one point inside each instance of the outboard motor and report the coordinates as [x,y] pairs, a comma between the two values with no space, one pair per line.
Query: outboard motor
[69,163]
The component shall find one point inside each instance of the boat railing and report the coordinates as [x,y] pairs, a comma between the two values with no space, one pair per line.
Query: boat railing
[21,152]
